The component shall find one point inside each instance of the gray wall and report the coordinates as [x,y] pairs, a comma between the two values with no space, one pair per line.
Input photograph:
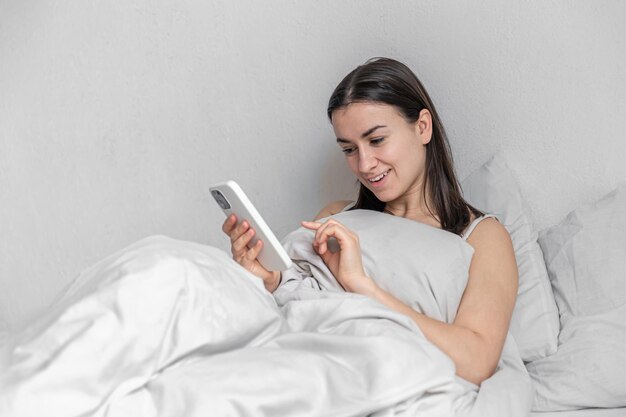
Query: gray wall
[116,116]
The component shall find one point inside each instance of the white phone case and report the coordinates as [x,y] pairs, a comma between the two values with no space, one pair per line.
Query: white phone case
[273,256]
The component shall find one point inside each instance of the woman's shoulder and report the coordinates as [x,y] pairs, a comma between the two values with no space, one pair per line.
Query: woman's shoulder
[333,208]
[476,220]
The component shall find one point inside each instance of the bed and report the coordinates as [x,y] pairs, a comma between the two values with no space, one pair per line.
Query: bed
[169,328]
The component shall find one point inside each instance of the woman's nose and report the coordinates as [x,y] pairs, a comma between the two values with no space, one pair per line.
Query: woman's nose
[367,160]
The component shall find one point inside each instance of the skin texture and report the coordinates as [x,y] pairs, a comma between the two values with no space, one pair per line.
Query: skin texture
[376,139]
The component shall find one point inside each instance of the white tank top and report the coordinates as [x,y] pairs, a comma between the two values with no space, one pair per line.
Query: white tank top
[468,231]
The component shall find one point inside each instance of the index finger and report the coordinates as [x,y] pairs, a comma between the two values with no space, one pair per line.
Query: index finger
[311,225]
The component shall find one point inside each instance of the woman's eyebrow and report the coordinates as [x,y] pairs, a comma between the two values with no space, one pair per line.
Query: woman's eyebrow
[371,130]
[364,134]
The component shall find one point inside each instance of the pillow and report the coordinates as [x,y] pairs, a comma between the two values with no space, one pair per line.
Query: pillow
[425,267]
[586,259]
[535,321]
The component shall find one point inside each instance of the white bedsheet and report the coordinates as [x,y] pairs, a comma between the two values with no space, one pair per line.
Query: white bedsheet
[170,328]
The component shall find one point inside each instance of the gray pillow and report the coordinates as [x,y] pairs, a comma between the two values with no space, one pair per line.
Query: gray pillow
[427,268]
[586,259]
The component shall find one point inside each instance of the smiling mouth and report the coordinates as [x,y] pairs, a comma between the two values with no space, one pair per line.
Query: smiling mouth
[379,177]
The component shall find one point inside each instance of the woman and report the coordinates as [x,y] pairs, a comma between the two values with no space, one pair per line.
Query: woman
[395,144]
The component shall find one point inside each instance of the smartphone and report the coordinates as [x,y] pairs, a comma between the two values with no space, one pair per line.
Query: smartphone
[231,199]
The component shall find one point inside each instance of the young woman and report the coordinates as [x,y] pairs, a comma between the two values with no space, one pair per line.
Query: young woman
[395,144]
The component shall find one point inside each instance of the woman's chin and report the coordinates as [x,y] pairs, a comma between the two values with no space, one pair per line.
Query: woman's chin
[382,195]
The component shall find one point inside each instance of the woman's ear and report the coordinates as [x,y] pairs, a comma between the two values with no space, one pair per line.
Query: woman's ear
[424,126]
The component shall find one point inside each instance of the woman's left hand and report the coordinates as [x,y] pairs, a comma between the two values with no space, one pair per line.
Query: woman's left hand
[346,264]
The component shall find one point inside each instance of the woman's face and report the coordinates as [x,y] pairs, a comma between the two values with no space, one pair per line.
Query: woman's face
[385,152]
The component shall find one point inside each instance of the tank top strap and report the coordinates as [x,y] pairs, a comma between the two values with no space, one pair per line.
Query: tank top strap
[468,231]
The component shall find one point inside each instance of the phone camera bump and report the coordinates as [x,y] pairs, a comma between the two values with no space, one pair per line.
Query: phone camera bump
[221,200]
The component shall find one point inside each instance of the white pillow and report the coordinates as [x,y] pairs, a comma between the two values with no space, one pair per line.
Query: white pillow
[535,322]
[586,259]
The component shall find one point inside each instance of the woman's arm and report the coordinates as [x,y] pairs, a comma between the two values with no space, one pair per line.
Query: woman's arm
[475,339]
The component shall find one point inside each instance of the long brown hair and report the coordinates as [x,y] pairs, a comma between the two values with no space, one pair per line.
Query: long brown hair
[384,80]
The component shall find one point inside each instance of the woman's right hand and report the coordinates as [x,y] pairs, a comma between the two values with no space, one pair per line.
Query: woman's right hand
[346,264]
[240,236]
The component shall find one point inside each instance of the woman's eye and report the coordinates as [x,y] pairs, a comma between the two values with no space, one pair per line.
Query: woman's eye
[347,151]
[377,141]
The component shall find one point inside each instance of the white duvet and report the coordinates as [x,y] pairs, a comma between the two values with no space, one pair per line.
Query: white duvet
[171,328]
